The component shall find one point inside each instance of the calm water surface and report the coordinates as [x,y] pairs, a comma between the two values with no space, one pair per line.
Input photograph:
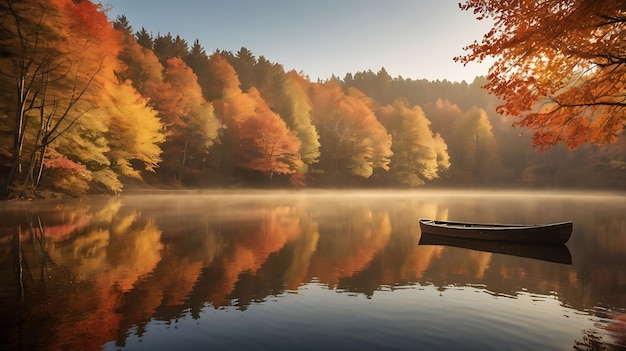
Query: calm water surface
[307,271]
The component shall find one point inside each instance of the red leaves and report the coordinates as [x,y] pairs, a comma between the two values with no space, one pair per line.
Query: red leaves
[565,54]
[267,145]
[64,163]
[88,27]
[260,139]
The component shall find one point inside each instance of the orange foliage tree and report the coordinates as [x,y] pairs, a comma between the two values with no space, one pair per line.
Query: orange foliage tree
[142,67]
[259,140]
[267,144]
[560,66]
[190,121]
[56,55]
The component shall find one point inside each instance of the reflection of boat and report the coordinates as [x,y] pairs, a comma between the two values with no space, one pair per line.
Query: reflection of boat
[555,233]
[553,253]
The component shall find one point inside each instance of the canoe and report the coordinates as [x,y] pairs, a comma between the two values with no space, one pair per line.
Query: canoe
[554,233]
[558,253]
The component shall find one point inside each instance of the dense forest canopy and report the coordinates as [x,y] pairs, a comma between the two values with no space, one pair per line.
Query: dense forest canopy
[91,105]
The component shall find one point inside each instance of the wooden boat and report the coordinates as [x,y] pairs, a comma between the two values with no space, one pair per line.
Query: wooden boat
[558,253]
[555,233]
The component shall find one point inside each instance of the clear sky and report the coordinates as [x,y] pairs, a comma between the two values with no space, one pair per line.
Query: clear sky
[410,38]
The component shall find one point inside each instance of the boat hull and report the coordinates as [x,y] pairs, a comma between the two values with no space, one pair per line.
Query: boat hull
[558,253]
[555,233]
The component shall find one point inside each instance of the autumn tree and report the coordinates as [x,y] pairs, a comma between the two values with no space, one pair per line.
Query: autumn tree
[418,154]
[299,117]
[117,136]
[560,66]
[175,94]
[134,132]
[473,148]
[352,139]
[189,119]
[141,65]
[54,52]
[222,83]
[253,137]
[267,144]
[443,114]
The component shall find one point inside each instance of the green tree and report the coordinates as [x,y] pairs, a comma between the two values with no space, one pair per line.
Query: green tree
[166,47]
[269,78]
[121,23]
[198,61]
[243,63]
[144,38]
[378,85]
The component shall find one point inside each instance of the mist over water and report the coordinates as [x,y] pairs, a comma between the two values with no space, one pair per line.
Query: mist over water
[306,269]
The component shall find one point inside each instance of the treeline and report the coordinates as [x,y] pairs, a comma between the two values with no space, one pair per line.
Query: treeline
[91,105]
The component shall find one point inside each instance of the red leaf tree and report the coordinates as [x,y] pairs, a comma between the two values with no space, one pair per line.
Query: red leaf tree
[560,66]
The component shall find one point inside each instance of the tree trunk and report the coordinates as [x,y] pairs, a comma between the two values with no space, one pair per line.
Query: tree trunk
[182,165]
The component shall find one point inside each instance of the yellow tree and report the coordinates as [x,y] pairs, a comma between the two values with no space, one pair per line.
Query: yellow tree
[135,131]
[351,137]
[295,89]
[120,136]
[560,66]
[53,54]
[418,154]
[473,147]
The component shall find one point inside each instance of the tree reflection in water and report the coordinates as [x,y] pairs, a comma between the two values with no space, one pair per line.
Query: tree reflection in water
[98,270]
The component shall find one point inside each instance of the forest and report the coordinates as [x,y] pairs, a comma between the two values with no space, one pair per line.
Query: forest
[91,105]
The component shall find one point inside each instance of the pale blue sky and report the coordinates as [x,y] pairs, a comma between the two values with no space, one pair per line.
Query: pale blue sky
[412,38]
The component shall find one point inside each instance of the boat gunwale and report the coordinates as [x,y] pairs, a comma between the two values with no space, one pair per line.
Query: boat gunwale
[456,225]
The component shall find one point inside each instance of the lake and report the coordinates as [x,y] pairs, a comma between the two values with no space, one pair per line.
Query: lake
[307,270]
